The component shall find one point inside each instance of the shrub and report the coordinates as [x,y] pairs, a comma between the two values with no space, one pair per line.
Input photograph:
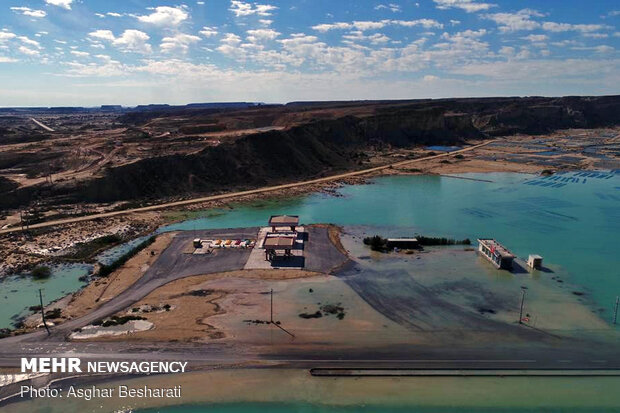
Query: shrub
[376,243]
[41,272]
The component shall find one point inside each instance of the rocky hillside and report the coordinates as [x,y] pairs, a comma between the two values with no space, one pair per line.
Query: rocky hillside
[321,147]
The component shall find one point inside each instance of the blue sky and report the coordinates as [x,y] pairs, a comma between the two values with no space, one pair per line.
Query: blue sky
[92,52]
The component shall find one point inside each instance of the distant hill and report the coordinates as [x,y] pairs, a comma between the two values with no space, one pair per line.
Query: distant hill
[318,147]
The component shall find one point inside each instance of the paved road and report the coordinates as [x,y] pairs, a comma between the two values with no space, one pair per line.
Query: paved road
[320,253]
[242,193]
[571,354]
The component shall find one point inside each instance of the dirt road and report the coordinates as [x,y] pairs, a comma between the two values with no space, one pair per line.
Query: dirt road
[47,128]
[244,193]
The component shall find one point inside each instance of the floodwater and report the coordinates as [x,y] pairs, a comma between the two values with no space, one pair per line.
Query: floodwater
[572,219]
[19,292]
[291,390]
[310,408]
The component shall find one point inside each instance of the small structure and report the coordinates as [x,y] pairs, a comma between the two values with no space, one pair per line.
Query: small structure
[277,221]
[496,253]
[403,243]
[534,261]
[273,245]
[197,243]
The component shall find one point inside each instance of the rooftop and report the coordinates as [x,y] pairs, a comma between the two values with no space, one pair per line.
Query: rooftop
[279,242]
[497,247]
[284,220]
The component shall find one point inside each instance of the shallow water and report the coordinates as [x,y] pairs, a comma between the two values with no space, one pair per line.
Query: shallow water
[440,148]
[109,256]
[310,408]
[572,220]
[19,292]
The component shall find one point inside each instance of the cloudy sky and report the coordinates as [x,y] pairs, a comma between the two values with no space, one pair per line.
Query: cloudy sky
[92,52]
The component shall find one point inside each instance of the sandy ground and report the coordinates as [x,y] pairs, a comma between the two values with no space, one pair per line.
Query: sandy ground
[195,299]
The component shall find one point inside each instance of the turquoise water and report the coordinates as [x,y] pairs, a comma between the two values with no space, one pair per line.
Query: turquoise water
[440,148]
[19,292]
[572,219]
[310,408]
[109,256]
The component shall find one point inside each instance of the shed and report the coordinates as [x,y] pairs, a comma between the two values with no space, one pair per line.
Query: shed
[534,261]
[276,221]
[403,243]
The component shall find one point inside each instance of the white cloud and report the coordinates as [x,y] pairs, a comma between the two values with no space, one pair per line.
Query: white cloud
[65,4]
[240,8]
[27,51]
[26,11]
[4,59]
[565,27]
[262,35]
[596,35]
[470,6]
[512,22]
[603,49]
[395,8]
[133,41]
[426,23]
[29,41]
[4,36]
[165,16]
[231,39]
[178,42]
[208,31]
[375,39]
[130,41]
[80,54]
[375,25]
[113,14]
[325,27]
[535,38]
[103,35]
[508,51]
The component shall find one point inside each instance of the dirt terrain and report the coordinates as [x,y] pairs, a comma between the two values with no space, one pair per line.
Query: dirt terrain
[118,158]
[68,163]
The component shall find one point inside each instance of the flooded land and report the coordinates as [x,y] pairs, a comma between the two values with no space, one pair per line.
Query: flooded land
[216,283]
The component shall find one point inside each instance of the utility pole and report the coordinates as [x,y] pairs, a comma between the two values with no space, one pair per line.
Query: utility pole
[43,312]
[273,322]
[616,310]
[521,310]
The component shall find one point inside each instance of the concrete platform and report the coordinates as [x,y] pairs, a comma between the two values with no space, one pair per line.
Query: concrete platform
[257,260]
